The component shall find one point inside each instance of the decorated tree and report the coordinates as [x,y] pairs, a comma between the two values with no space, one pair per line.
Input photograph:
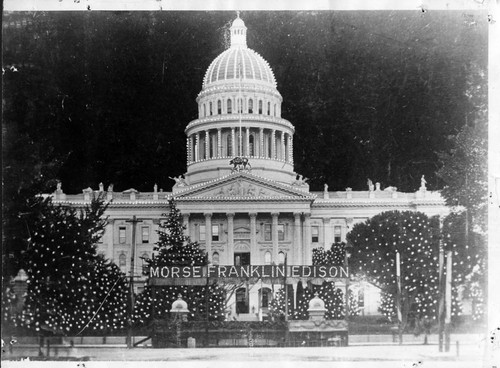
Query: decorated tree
[468,268]
[70,287]
[354,308]
[334,256]
[334,300]
[388,306]
[175,248]
[415,237]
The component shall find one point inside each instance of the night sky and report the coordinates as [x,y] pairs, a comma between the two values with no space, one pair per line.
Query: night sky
[96,97]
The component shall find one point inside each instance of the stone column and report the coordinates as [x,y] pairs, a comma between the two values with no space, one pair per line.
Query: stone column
[232,143]
[283,146]
[289,144]
[326,233]
[219,142]
[254,256]
[185,222]
[261,142]
[306,246]
[208,235]
[230,238]
[207,144]
[291,149]
[273,144]
[197,148]
[247,141]
[274,231]
[297,243]
[188,149]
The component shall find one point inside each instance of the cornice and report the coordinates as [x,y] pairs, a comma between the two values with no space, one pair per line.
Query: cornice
[244,117]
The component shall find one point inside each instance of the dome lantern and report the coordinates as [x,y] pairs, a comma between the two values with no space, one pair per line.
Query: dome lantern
[238,32]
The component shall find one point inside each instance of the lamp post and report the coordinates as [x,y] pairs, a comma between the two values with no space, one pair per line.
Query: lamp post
[179,313]
[134,222]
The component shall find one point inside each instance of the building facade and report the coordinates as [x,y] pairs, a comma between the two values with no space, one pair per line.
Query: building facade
[240,196]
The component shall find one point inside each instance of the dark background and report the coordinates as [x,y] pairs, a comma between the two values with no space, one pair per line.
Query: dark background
[94,97]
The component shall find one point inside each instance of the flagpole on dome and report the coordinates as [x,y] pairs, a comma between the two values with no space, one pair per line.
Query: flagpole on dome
[239,104]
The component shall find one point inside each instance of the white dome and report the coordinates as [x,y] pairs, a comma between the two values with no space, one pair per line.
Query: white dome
[239,64]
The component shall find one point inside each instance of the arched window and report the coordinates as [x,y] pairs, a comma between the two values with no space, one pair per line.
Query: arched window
[229,145]
[215,258]
[268,108]
[229,106]
[267,258]
[251,145]
[250,106]
[281,258]
[260,107]
[210,108]
[219,107]
[122,260]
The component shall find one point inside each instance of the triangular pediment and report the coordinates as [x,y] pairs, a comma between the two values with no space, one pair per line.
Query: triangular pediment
[242,186]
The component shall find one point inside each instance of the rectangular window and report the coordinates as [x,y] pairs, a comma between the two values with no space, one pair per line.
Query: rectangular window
[122,234]
[337,234]
[215,232]
[201,236]
[315,234]
[267,232]
[145,234]
[281,232]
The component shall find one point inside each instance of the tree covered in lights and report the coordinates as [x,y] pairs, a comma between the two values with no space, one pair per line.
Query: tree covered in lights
[176,249]
[333,256]
[353,300]
[70,287]
[469,260]
[415,236]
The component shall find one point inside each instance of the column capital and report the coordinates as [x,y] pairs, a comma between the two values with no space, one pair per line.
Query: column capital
[275,214]
[186,215]
[307,215]
[297,214]
[252,214]
[326,219]
[230,214]
[207,214]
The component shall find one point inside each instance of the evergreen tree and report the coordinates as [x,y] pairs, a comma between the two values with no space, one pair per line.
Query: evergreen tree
[388,306]
[70,287]
[334,300]
[175,248]
[354,308]
[302,298]
[469,260]
[334,256]
[277,306]
[415,237]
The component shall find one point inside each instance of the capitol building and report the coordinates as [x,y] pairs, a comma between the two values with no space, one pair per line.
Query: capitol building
[240,196]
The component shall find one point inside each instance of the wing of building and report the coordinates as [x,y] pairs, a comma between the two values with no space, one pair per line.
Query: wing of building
[240,196]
